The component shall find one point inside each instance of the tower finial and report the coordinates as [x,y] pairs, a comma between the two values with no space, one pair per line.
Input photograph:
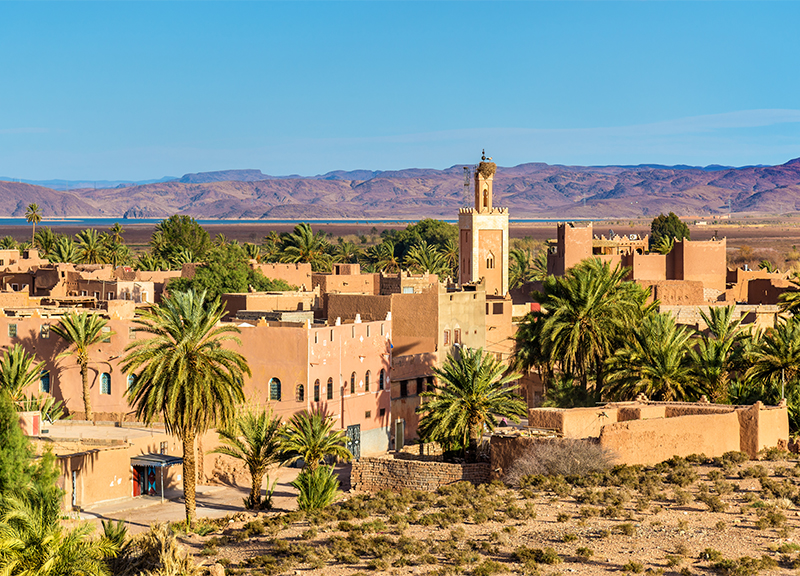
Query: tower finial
[483,154]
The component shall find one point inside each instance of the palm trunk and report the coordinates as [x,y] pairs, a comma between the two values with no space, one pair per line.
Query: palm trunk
[255,490]
[189,477]
[474,437]
[87,401]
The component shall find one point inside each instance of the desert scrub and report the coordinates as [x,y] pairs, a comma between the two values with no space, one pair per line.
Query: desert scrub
[627,528]
[584,553]
[744,566]
[562,517]
[588,512]
[541,556]
[757,471]
[634,567]
[770,518]
[569,537]
[777,488]
[773,454]
[562,457]
[714,502]
[488,567]
[710,554]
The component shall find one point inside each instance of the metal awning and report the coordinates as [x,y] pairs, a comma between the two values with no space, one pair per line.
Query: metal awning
[156,460]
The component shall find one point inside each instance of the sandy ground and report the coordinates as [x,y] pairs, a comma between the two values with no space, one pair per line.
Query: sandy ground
[664,529]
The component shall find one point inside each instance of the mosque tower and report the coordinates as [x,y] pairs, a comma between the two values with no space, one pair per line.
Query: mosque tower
[483,236]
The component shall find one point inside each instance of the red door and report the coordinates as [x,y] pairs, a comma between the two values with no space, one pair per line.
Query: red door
[137,481]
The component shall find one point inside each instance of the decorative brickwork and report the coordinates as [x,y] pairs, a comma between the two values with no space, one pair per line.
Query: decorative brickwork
[388,473]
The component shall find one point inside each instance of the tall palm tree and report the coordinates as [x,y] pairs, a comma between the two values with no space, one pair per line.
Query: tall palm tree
[586,314]
[655,361]
[33,215]
[149,262]
[18,371]
[64,250]
[789,301]
[91,248]
[450,252]
[346,251]
[310,436]
[473,389]
[185,374]
[252,251]
[424,257]
[8,243]
[116,232]
[253,438]
[303,245]
[519,267]
[384,257]
[81,331]
[34,541]
[718,355]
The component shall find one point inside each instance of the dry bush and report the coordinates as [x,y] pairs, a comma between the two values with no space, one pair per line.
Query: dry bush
[560,458]
[158,553]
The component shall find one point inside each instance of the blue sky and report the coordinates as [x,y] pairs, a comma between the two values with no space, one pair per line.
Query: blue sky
[115,90]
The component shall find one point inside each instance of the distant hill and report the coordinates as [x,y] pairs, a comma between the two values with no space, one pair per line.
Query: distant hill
[533,190]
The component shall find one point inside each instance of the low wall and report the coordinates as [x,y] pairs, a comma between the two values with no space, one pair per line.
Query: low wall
[652,441]
[388,473]
[572,422]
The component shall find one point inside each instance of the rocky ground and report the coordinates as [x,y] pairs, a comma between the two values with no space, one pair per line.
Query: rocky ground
[700,516]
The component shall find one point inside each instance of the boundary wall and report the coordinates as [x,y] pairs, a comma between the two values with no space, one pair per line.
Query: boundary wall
[388,473]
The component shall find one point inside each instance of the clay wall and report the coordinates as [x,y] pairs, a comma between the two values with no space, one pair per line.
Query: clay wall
[13,300]
[388,473]
[505,450]
[766,290]
[652,267]
[701,261]
[572,422]
[298,274]
[461,320]
[346,283]
[573,244]
[269,301]
[753,317]
[405,283]
[675,292]
[500,329]
[490,260]
[652,441]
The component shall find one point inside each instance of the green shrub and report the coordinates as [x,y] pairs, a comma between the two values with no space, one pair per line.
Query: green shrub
[547,556]
[735,457]
[628,529]
[488,567]
[635,567]
[714,502]
[562,517]
[318,488]
[562,457]
[584,553]
[710,554]
[569,537]
[774,454]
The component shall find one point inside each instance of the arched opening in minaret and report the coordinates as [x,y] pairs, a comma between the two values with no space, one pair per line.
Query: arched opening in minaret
[490,261]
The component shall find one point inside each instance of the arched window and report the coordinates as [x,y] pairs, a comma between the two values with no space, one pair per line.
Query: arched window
[275,389]
[44,381]
[382,380]
[353,383]
[300,393]
[131,380]
[316,390]
[366,382]
[490,261]
[330,388]
[105,383]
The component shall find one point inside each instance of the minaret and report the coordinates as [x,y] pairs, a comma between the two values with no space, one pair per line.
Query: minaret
[483,235]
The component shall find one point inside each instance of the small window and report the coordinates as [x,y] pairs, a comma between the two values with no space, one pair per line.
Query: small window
[331,335]
[382,380]
[447,337]
[15,287]
[367,330]
[353,383]
[110,296]
[316,391]
[367,414]
[366,382]
[382,412]
[131,333]
[12,330]
[353,332]
[275,389]
[162,447]
[381,329]
[84,293]
[403,388]
[105,383]
[329,388]
[300,393]
[408,289]
[106,330]
[44,382]
[316,338]
[497,308]
[420,385]
[131,380]
[97,295]
[490,261]
[457,336]
[44,331]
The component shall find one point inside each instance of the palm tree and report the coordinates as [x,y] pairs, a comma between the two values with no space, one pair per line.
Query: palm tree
[8,243]
[33,215]
[655,361]
[64,250]
[776,358]
[450,252]
[539,266]
[33,540]
[253,438]
[519,267]
[310,436]
[81,331]
[384,257]
[115,233]
[18,371]
[303,245]
[185,374]
[789,301]
[252,251]
[664,245]
[149,262]
[346,251]
[471,392]
[424,257]
[91,248]
[45,239]
[717,356]
[587,313]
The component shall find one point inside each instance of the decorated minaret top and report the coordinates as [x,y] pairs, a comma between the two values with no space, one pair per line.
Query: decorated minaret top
[484,175]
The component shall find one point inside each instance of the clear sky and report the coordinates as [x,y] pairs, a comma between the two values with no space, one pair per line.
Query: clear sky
[115,90]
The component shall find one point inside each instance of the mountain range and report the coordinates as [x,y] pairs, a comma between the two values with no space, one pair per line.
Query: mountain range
[533,190]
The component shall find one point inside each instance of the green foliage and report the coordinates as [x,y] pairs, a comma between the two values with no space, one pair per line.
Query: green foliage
[318,488]
[424,257]
[303,245]
[15,452]
[33,541]
[253,438]
[177,235]
[471,393]
[433,232]
[669,226]
[18,371]
[310,436]
[226,269]
[52,410]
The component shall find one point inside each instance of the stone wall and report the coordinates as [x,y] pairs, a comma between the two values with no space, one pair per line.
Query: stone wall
[389,473]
